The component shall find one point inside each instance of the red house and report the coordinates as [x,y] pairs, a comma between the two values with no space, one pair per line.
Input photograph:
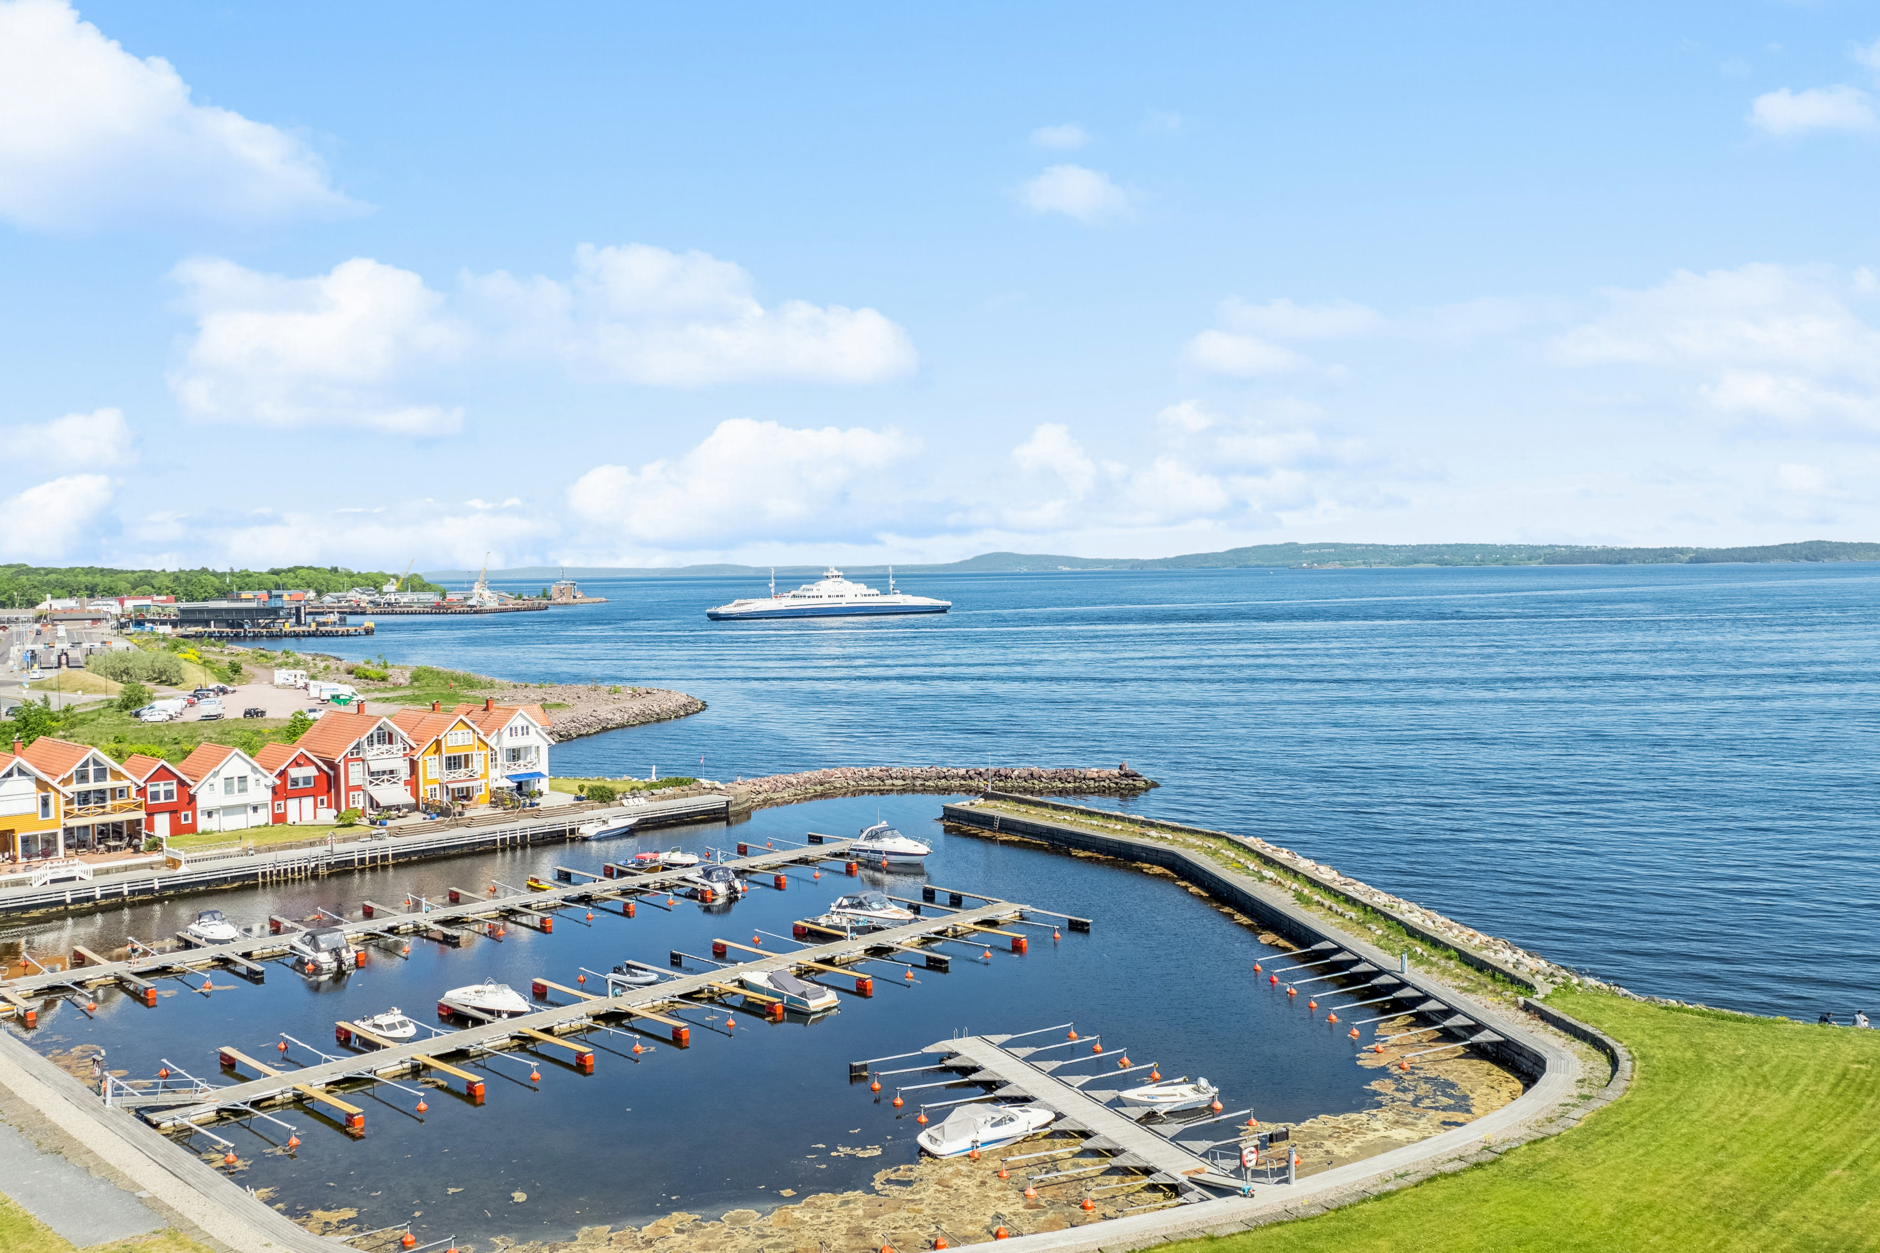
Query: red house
[303,784]
[168,802]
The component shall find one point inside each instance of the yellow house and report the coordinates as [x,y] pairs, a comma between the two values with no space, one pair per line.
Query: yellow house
[102,809]
[451,755]
[32,808]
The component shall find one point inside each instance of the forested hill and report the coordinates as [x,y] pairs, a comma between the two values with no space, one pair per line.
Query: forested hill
[25,586]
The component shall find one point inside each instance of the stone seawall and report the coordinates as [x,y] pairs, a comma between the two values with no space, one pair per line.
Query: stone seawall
[789,789]
[597,709]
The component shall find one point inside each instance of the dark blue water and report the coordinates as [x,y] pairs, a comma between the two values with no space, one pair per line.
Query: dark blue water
[1661,774]
[744,1113]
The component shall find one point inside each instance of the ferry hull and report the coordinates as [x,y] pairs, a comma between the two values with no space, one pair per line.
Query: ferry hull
[822,611]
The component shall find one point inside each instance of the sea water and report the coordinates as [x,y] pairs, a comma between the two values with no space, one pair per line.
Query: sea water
[1661,774]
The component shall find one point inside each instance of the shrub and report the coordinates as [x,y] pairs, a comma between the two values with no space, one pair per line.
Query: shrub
[431,676]
[297,726]
[601,792]
[137,667]
[370,672]
[133,696]
[234,670]
[347,818]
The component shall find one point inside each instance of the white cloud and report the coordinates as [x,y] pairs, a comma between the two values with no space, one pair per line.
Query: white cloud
[1803,480]
[1190,417]
[1068,137]
[329,350]
[1087,195]
[91,136]
[1867,55]
[384,537]
[44,523]
[1242,356]
[1052,448]
[750,482]
[366,344]
[99,440]
[1837,108]
[1768,340]
[1282,319]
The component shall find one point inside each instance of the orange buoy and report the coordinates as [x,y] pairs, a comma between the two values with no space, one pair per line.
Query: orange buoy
[972,1154]
[668,902]
[907,974]
[309,967]
[897,1101]
[164,1073]
[1070,1035]
[986,956]
[590,915]
[1404,1064]
[492,889]
[1272,978]
[1216,1107]
[1253,1122]
[407,950]
[229,1159]
[1003,1172]
[1097,1047]
[1292,991]
[1000,1233]
[1089,1204]
[817,875]
[408,1239]
[875,1086]
[1031,1193]
[535,1076]
[939,1242]
[1333,1017]
[422,1107]
[282,1046]
[580,978]
[1155,1076]
[637,1048]
[1256,968]
[1122,1063]
[293,1142]
[921,1117]
[1312,1004]
[1354,1033]
[1375,1048]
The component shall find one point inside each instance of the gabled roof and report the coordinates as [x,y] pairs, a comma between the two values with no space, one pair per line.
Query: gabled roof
[494,719]
[198,765]
[423,726]
[331,736]
[57,758]
[273,758]
[8,761]
[140,766]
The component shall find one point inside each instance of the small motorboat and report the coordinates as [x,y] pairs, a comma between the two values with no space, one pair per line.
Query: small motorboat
[1171,1095]
[871,908]
[721,881]
[486,1000]
[677,860]
[982,1127]
[634,975]
[212,927]
[882,843]
[390,1025]
[536,885]
[651,859]
[797,994]
[322,950]
[605,828]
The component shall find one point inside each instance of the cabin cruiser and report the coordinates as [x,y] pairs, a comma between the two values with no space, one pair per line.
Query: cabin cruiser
[1171,1095]
[831,596]
[488,999]
[721,881]
[882,842]
[675,859]
[390,1025]
[605,828]
[212,927]
[634,975]
[873,909]
[982,1127]
[797,994]
[324,950]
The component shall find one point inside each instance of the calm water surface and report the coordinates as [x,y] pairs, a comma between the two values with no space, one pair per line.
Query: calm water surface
[1662,774]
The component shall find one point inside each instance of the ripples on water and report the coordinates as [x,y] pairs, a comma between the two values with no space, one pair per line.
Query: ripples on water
[1663,774]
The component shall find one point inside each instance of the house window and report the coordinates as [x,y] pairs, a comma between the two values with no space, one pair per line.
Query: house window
[97,796]
[430,767]
[45,804]
[241,783]
[358,800]
[280,807]
[457,761]
[120,793]
[228,786]
[162,793]
[355,772]
[518,729]
[300,779]
[381,738]
[186,817]
[458,738]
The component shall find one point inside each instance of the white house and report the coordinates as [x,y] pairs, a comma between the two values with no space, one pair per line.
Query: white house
[519,743]
[233,791]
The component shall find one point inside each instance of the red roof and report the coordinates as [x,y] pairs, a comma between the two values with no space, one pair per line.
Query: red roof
[423,726]
[140,766]
[56,758]
[207,757]
[330,737]
[273,758]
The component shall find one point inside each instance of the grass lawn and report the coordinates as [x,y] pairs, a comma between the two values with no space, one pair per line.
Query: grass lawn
[20,1232]
[119,734]
[75,681]
[1737,1133]
[262,837]
[620,786]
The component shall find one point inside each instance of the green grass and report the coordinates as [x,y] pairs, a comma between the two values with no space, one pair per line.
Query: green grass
[1737,1133]
[120,734]
[20,1232]
[572,786]
[262,837]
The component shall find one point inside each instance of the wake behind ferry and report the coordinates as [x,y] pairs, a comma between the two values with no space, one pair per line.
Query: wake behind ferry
[831,596]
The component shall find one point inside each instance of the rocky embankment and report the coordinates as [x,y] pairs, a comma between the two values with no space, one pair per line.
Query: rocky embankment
[788,789]
[592,708]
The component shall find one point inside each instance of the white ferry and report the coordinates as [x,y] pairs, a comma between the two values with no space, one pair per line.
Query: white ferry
[831,596]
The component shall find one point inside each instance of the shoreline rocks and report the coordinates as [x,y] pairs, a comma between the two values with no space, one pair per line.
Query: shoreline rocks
[789,789]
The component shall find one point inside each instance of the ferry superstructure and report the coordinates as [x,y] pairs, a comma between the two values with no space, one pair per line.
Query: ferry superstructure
[831,596]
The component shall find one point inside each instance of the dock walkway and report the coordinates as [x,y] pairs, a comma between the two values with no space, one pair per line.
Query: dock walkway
[1135,1144]
[240,952]
[560,1019]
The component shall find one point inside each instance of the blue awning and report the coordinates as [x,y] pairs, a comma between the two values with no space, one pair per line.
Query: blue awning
[527,774]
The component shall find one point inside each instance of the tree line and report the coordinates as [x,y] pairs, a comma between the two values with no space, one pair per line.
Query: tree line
[24,585]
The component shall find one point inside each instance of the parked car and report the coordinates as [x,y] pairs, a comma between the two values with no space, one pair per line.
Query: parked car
[316,713]
[203,693]
[209,710]
[254,711]
[153,715]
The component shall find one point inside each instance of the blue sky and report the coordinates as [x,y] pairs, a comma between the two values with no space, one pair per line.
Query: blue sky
[609,284]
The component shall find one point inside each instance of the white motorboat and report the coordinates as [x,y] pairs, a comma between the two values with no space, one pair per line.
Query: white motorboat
[797,994]
[882,842]
[390,1025]
[212,927]
[1171,1095]
[325,949]
[870,908]
[651,859]
[677,860]
[983,1127]
[488,999]
[605,828]
[831,596]
[634,975]
[721,881]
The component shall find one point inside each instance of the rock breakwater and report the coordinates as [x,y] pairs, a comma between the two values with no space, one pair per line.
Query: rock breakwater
[789,789]
[590,709]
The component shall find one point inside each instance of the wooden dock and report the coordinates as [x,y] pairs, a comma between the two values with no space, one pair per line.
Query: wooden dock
[534,907]
[557,1020]
[1134,1145]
